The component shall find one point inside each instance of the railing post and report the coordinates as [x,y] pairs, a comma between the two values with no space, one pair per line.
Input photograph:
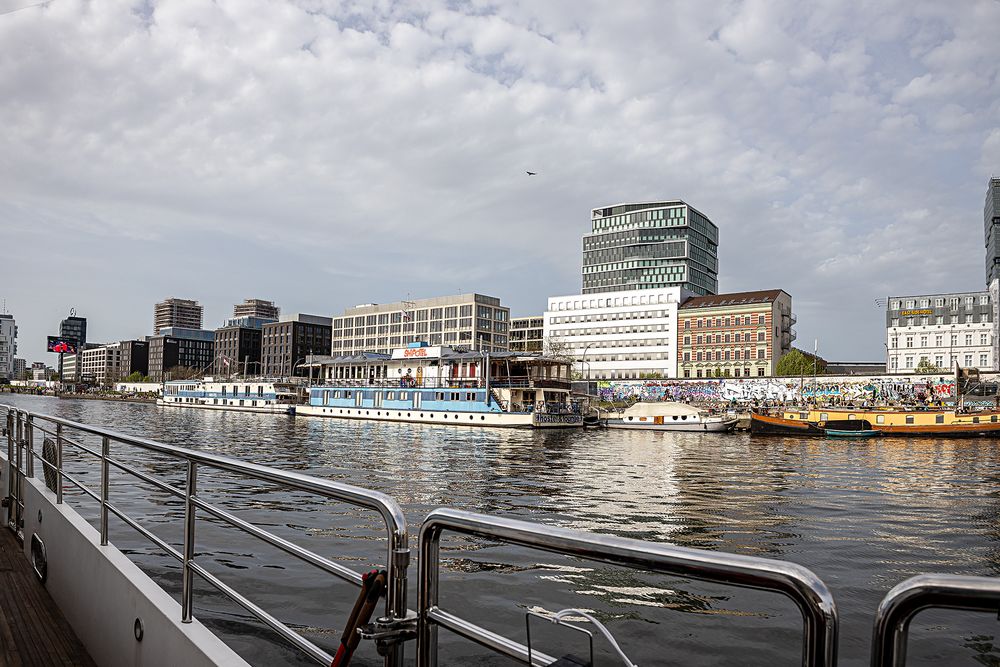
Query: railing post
[59,470]
[30,428]
[427,596]
[187,589]
[105,484]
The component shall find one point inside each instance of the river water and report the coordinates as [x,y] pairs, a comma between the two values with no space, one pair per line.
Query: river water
[863,515]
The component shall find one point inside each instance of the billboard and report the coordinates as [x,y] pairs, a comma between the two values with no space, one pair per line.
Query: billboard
[62,345]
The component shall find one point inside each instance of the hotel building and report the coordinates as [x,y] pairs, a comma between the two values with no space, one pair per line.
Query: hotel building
[650,245]
[474,321]
[743,334]
[616,335]
[941,330]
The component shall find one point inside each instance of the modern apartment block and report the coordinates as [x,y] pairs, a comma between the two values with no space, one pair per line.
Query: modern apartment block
[238,345]
[8,346]
[742,334]
[650,245]
[20,366]
[527,334]
[940,330]
[474,321]
[178,353]
[101,364]
[286,344]
[172,312]
[135,357]
[74,328]
[258,308]
[616,335]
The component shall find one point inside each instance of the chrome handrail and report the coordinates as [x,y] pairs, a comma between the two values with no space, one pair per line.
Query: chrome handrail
[20,438]
[805,589]
[926,591]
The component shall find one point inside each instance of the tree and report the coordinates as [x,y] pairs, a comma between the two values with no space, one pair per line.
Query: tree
[798,362]
[925,366]
[134,377]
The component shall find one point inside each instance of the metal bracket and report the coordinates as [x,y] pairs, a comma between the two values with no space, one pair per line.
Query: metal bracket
[389,632]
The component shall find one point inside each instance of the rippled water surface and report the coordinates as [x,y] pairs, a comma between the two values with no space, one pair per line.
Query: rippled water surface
[862,515]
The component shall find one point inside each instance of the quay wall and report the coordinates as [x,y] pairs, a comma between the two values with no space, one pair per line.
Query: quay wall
[881,388]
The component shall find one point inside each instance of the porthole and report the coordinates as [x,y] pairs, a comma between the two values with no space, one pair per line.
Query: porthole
[630,419]
[432,415]
[399,414]
[409,414]
[421,415]
[675,417]
[471,417]
[483,417]
[684,416]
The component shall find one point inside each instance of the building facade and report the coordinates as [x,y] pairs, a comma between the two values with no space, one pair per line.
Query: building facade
[238,345]
[8,346]
[940,330]
[650,245]
[258,308]
[474,321]
[135,357]
[101,364]
[20,368]
[742,334]
[179,353]
[74,328]
[527,334]
[286,344]
[182,313]
[616,335]
[991,226]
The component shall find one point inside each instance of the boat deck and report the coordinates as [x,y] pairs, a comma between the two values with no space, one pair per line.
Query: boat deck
[32,629]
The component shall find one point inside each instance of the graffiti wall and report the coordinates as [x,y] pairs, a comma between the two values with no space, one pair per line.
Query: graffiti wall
[745,390]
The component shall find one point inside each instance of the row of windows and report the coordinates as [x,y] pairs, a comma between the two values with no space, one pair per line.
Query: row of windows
[984,318]
[953,302]
[658,218]
[604,331]
[967,360]
[422,315]
[725,355]
[724,372]
[736,320]
[747,336]
[611,302]
[984,339]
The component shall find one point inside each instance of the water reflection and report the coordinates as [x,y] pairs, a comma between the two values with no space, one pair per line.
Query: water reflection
[863,515]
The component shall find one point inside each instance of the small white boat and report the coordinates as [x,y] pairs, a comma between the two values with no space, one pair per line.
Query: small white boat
[669,416]
[265,396]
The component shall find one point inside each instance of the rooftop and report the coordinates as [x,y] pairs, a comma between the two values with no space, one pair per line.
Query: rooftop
[732,299]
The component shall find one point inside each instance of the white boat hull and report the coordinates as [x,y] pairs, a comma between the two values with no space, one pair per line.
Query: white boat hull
[501,419]
[271,409]
[713,426]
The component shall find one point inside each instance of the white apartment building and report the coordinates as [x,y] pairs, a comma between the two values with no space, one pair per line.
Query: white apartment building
[8,346]
[941,329]
[616,335]
[101,364]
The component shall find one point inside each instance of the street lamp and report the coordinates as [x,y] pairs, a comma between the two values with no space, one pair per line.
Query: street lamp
[583,361]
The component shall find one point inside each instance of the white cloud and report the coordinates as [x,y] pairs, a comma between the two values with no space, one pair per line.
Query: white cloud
[355,151]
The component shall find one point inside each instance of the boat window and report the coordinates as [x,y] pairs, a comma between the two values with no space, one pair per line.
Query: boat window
[938,419]
[223,390]
[469,396]
[824,417]
[852,416]
[803,415]
[246,390]
[684,416]
[880,419]
[455,396]
[675,417]
[975,420]
[347,394]
[993,419]
[909,419]
[439,396]
[260,390]
[403,396]
[390,396]
[630,419]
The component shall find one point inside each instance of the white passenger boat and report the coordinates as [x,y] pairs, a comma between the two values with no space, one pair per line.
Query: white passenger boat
[440,385]
[238,395]
[668,416]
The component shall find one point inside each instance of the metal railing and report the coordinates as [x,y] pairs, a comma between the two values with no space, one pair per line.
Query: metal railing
[21,432]
[927,591]
[819,613]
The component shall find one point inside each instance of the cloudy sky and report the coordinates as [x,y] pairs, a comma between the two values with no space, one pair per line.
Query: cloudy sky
[324,154]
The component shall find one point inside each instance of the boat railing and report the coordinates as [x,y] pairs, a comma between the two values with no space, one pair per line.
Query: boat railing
[927,591]
[805,589]
[23,428]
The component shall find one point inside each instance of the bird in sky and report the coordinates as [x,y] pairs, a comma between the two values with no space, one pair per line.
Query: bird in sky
[531,173]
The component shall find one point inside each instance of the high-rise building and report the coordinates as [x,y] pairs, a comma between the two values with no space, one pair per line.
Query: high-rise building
[287,342]
[616,335]
[179,353]
[474,321]
[527,334]
[20,366]
[172,312]
[76,328]
[265,310]
[101,364]
[991,225]
[8,346]
[636,246]
[940,330]
[743,334]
